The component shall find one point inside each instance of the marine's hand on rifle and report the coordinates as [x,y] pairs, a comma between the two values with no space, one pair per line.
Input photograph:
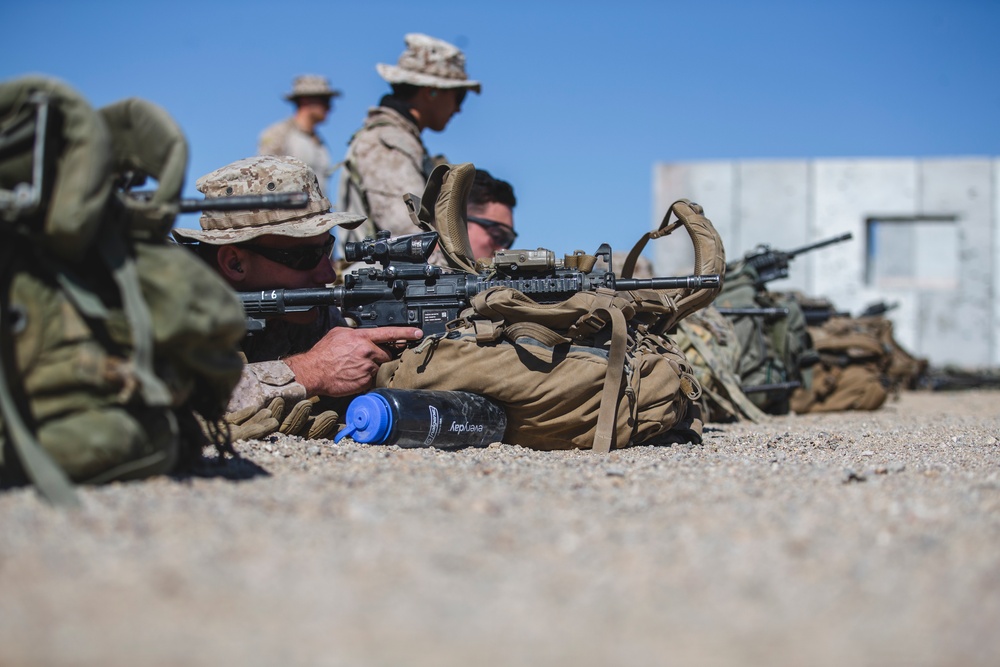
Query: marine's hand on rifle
[345,360]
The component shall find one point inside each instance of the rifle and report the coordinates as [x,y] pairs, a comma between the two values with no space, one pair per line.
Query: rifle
[775,386]
[818,315]
[772,264]
[281,200]
[880,308]
[753,312]
[26,197]
[408,291]
[952,378]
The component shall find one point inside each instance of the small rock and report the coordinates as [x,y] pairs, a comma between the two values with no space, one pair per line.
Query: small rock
[313,451]
[850,475]
[615,472]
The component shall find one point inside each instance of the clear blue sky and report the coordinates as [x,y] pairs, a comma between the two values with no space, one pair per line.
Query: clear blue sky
[580,99]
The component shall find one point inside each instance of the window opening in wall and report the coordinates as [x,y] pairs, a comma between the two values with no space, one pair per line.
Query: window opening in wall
[919,252]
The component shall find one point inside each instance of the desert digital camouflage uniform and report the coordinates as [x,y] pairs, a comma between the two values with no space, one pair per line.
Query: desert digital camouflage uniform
[265,376]
[286,138]
[386,159]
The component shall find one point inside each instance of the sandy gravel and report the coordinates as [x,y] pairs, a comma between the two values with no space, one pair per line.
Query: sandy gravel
[848,539]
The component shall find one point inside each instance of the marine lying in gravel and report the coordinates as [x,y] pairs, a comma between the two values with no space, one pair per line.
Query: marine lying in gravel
[306,358]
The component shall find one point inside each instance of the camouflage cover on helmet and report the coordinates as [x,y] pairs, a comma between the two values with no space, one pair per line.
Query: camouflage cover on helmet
[430,62]
[311,85]
[265,174]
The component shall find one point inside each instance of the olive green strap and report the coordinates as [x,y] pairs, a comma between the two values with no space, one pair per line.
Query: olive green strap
[126,275]
[50,480]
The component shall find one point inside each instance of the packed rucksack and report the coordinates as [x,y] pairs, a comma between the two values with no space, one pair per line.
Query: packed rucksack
[710,342]
[595,370]
[776,349]
[851,373]
[115,342]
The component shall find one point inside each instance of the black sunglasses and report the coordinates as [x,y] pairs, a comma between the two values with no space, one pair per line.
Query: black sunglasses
[303,258]
[501,234]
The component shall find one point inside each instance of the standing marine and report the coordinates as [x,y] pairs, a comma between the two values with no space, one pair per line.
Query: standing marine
[386,159]
[297,135]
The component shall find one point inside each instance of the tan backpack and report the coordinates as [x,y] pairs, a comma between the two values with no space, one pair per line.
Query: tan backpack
[593,371]
[851,373]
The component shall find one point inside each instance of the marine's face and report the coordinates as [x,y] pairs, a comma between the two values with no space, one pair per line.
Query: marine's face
[282,262]
[317,107]
[491,230]
[444,103]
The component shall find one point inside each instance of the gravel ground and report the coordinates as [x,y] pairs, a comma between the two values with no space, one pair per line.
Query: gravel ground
[847,539]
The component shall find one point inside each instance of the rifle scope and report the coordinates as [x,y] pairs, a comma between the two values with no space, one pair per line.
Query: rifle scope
[416,248]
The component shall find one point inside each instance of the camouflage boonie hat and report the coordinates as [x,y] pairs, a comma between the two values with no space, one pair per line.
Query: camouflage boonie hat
[311,85]
[429,62]
[262,175]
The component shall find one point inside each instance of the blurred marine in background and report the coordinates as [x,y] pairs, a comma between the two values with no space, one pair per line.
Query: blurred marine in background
[297,135]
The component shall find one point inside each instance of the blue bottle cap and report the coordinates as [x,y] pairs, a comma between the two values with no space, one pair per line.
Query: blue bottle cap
[369,420]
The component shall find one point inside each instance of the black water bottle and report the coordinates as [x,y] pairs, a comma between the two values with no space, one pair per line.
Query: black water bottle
[424,418]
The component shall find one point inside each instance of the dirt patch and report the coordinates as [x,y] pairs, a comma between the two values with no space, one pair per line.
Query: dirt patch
[855,538]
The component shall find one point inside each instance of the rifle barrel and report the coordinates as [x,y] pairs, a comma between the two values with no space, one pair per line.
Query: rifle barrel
[776,386]
[753,312]
[707,280]
[283,200]
[819,244]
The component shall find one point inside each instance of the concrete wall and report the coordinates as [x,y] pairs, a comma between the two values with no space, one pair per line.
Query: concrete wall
[926,235]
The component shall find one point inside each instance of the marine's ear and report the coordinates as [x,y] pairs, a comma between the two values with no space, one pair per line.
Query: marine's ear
[229,262]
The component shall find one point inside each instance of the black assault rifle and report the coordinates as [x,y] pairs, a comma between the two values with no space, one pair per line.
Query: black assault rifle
[878,309]
[407,291]
[772,264]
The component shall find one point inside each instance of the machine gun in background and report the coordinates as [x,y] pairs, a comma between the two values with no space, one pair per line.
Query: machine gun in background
[816,314]
[772,264]
[877,309]
[408,291]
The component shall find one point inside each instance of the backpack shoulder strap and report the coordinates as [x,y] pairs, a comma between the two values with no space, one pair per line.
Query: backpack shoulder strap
[709,257]
[442,209]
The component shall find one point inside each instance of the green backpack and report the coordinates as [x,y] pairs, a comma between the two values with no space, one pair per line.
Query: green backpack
[710,343]
[777,352]
[114,341]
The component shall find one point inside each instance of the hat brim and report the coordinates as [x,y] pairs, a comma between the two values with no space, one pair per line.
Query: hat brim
[291,97]
[396,74]
[302,228]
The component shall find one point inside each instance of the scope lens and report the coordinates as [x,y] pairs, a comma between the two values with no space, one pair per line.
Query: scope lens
[354,251]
